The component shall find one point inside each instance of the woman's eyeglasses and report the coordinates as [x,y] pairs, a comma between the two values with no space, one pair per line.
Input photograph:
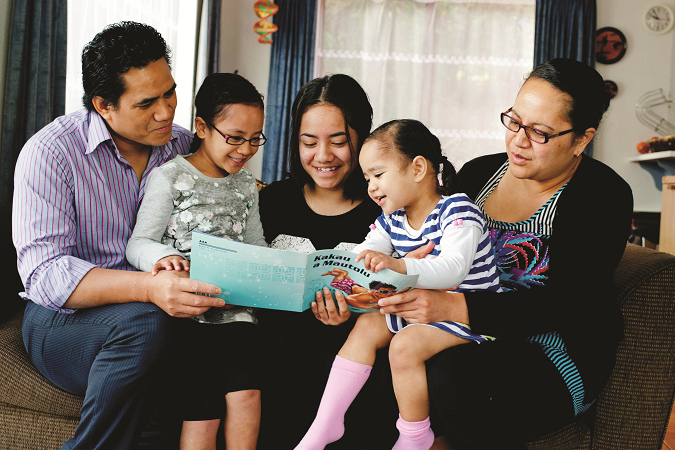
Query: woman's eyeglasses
[538,136]
[238,140]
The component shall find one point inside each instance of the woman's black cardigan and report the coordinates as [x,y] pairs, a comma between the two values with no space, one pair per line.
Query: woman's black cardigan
[590,230]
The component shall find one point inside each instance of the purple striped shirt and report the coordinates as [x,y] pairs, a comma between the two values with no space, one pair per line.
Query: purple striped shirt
[75,204]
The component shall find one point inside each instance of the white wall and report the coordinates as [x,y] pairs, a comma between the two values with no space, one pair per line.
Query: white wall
[647,65]
[240,50]
[5,19]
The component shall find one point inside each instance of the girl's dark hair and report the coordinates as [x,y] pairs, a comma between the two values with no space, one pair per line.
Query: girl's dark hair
[410,138]
[345,93]
[583,84]
[217,92]
[118,48]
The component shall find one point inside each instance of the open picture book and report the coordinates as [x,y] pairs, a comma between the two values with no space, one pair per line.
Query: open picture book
[263,277]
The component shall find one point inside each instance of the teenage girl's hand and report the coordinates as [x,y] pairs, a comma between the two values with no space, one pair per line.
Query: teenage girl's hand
[427,306]
[173,262]
[324,308]
[376,261]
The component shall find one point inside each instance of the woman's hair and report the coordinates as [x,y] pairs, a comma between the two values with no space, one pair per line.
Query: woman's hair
[345,93]
[217,92]
[410,138]
[583,84]
[118,48]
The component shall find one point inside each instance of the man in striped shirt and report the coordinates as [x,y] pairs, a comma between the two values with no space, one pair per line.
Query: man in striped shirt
[92,325]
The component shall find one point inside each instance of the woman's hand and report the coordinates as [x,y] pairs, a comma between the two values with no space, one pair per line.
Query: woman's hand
[376,261]
[427,306]
[173,262]
[421,251]
[324,308]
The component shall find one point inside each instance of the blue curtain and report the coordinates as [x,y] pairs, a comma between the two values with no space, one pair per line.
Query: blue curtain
[35,89]
[565,29]
[213,39]
[292,65]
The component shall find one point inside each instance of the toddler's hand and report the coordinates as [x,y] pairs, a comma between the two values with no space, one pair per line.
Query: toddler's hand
[376,261]
[172,262]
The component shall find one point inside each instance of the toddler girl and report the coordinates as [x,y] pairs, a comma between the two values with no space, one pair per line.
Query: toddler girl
[210,190]
[401,161]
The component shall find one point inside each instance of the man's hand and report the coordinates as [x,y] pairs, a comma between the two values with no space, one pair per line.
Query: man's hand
[324,308]
[173,262]
[376,261]
[176,294]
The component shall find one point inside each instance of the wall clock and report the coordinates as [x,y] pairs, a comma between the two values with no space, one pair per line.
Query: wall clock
[610,45]
[659,19]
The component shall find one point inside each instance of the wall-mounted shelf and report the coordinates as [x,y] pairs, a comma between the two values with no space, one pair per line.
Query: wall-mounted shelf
[665,160]
[670,154]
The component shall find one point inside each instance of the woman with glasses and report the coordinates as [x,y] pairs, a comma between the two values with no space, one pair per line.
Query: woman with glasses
[209,190]
[324,204]
[559,222]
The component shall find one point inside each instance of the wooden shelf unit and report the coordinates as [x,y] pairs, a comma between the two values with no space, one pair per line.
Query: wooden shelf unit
[667,232]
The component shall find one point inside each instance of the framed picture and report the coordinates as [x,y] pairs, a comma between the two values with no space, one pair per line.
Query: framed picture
[611,88]
[610,45]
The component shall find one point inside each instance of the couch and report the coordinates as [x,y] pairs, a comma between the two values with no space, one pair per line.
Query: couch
[632,412]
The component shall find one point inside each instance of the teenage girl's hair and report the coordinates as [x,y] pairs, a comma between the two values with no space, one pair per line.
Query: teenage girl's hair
[410,138]
[217,92]
[345,93]
[583,84]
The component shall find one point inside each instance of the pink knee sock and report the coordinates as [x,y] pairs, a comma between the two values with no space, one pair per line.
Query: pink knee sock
[414,435]
[344,382]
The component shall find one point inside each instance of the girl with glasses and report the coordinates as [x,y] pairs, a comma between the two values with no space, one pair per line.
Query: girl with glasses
[209,190]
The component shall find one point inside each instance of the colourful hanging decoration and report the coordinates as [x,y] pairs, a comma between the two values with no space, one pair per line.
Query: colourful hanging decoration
[265,9]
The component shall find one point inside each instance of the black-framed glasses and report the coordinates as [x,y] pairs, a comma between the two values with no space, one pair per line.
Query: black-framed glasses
[238,140]
[538,136]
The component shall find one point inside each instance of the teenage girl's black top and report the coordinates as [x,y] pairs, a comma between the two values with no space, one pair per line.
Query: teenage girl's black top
[284,211]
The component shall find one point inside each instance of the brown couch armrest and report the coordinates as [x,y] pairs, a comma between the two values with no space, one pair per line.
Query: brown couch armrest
[633,409]
[21,385]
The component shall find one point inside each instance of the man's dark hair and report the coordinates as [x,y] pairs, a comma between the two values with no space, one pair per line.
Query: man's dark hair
[118,48]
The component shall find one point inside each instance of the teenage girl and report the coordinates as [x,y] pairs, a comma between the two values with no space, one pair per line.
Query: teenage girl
[402,161]
[210,191]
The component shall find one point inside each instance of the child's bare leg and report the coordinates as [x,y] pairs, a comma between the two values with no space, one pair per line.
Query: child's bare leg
[408,352]
[370,334]
[242,421]
[199,434]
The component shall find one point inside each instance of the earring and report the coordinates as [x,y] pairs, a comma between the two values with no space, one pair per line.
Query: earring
[576,155]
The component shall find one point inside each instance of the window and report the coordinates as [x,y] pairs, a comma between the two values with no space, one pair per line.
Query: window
[455,65]
[175,20]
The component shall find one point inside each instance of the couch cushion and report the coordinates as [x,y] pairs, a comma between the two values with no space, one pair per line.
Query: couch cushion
[20,382]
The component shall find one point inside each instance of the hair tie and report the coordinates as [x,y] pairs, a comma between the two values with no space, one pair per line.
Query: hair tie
[442,162]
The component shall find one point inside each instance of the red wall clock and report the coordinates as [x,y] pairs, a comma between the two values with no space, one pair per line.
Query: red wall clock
[610,45]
